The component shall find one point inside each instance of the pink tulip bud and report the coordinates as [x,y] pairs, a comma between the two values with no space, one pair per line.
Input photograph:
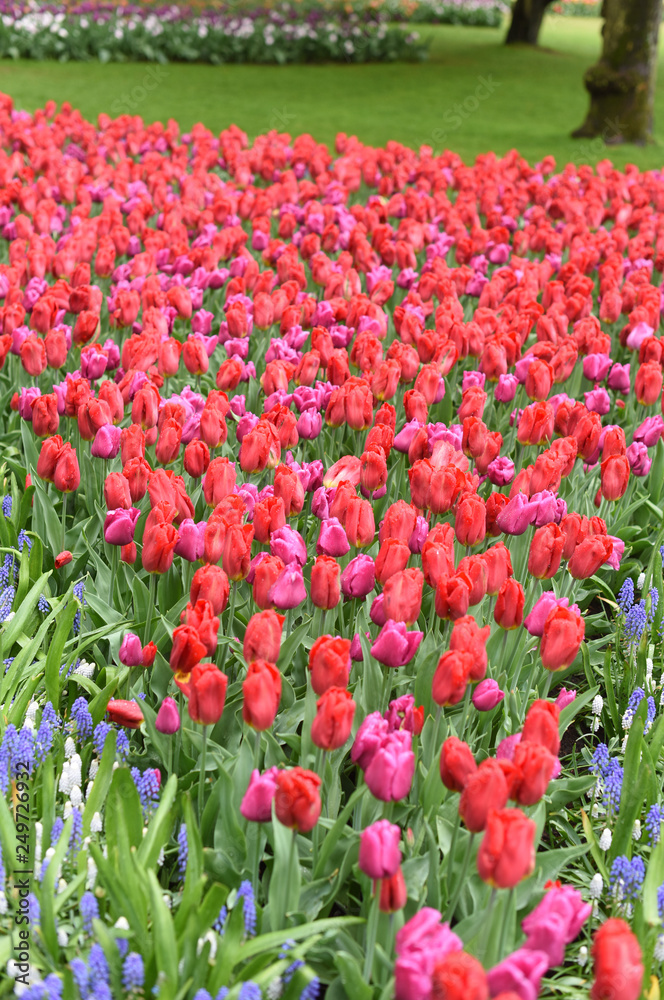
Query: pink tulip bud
[168,717]
[256,806]
[487,695]
[380,855]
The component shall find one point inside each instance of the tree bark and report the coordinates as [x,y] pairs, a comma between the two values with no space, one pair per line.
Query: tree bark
[622,83]
[527,16]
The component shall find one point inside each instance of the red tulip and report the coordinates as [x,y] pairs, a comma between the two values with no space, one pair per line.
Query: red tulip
[325,589]
[297,800]
[451,677]
[202,618]
[124,713]
[210,583]
[484,790]
[470,521]
[261,690]
[508,612]
[457,764]
[618,962]
[331,727]
[205,689]
[546,551]
[262,637]
[507,852]
[615,476]
[561,639]
[329,663]
[459,976]
[66,475]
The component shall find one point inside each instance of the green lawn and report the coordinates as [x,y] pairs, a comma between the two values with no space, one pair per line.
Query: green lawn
[532,102]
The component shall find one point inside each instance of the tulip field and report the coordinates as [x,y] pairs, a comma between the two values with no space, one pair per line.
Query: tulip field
[331,553]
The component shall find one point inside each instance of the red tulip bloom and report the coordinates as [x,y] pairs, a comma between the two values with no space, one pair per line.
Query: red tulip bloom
[402,596]
[457,764]
[468,637]
[297,800]
[507,852]
[459,976]
[196,458]
[546,552]
[289,488]
[335,711]
[262,637]
[534,766]
[451,677]
[508,612]
[618,962]
[470,521]
[167,447]
[237,550]
[265,574]
[541,725]
[615,477]
[62,559]
[66,475]
[499,567]
[205,690]
[325,589]
[452,596]
[561,639]
[393,893]
[539,379]
[124,713]
[210,583]
[484,790]
[219,481]
[648,383]
[589,555]
[329,663]
[359,522]
[159,541]
[201,617]
[261,690]
[45,416]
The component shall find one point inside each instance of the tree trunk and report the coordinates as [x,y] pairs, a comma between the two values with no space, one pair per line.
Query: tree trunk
[622,84]
[527,16]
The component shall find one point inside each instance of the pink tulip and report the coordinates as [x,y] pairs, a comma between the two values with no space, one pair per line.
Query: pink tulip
[332,540]
[288,589]
[639,459]
[565,698]
[390,771]
[380,855]
[506,387]
[359,577]
[395,645]
[256,805]
[106,443]
[520,973]
[119,525]
[487,695]
[168,717]
[289,545]
[131,651]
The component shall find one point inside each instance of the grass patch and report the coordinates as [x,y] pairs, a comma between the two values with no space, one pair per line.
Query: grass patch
[536,100]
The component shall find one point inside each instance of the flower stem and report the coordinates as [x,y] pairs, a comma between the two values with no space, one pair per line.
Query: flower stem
[202,774]
[64,519]
[503,925]
[370,941]
[461,881]
[148,618]
[114,572]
